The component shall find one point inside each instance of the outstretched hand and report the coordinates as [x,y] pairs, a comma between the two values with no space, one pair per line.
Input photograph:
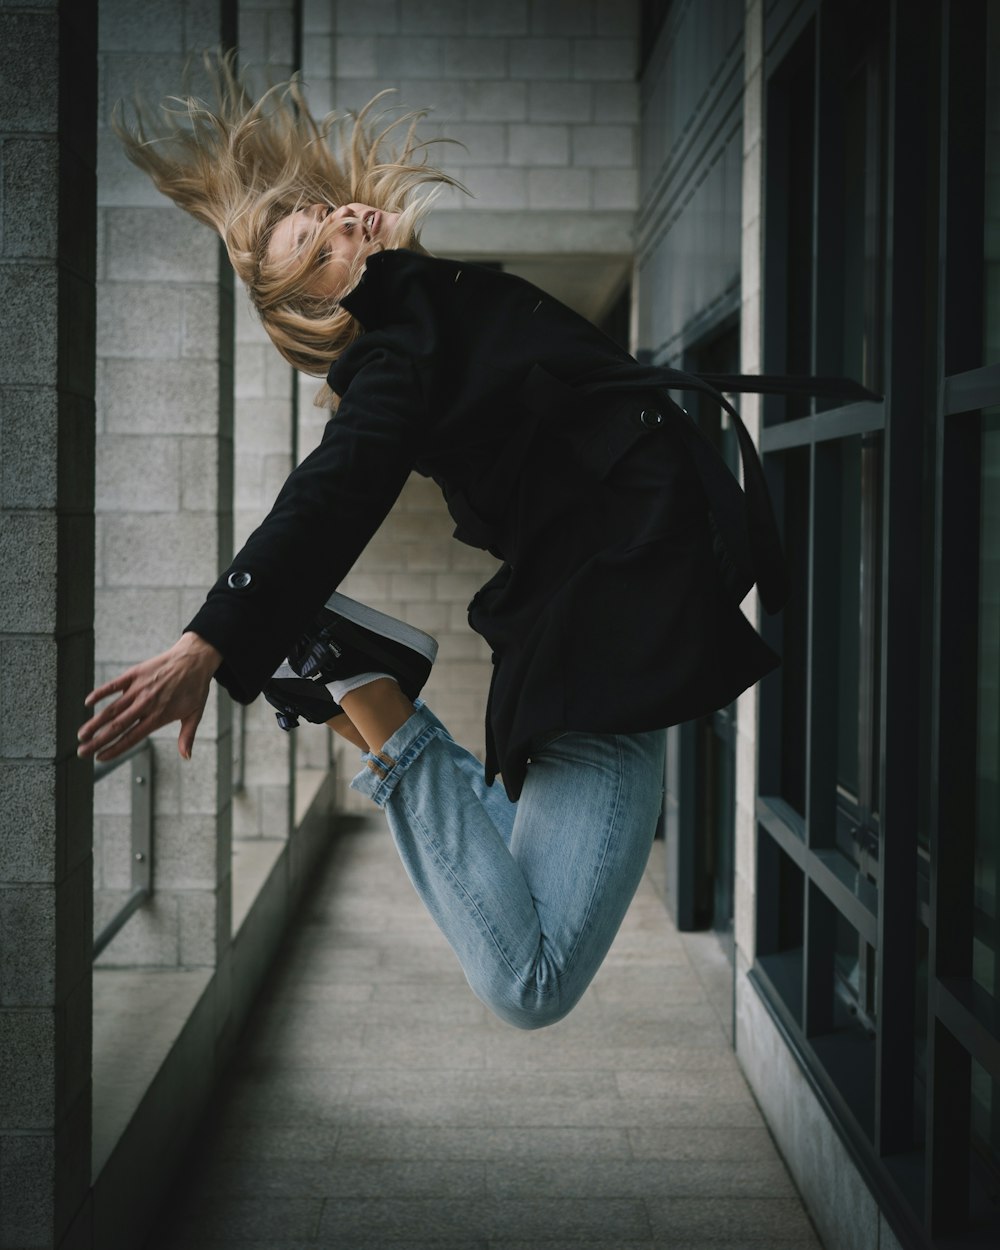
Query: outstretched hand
[169,687]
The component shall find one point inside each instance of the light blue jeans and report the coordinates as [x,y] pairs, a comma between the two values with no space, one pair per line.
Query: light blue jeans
[529,894]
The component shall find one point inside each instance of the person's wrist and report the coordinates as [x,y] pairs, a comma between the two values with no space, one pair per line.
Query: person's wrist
[208,656]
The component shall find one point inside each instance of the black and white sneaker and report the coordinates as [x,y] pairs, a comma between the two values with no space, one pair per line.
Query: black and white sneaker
[347,638]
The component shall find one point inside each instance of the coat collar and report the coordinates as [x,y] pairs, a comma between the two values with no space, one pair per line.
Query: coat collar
[363,301]
[366,300]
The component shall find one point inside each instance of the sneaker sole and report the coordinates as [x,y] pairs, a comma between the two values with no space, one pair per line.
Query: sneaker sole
[385,626]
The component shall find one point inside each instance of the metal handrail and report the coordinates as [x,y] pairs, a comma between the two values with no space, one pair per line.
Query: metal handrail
[240,753]
[141,760]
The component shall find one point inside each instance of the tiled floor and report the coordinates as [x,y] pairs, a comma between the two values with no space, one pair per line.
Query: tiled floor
[376,1103]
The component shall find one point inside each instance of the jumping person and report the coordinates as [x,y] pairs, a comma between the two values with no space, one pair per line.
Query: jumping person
[626,544]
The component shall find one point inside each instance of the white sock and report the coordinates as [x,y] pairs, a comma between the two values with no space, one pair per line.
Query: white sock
[339,688]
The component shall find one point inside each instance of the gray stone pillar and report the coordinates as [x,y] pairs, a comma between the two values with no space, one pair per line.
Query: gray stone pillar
[263,445]
[164,485]
[48,93]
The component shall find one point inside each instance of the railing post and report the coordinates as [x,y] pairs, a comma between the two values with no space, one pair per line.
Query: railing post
[142,796]
[142,821]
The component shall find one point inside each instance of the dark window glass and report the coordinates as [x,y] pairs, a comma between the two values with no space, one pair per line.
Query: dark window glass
[858,649]
[986,941]
[780,921]
[849,619]
[984,1170]
[854,981]
[861,277]
[920,1036]
[991,241]
[715,735]
[717,810]
[842,1005]
[788,288]
[795,624]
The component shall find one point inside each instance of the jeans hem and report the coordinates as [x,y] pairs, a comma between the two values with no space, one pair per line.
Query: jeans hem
[383,770]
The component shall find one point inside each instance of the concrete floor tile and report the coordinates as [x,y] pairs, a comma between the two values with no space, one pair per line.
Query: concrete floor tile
[566,1111]
[453,1010]
[250,1177]
[638,1178]
[771,1221]
[458,1046]
[235,1220]
[310,1051]
[575,1244]
[286,993]
[351,1222]
[282,1096]
[537,1220]
[413,1112]
[622,1113]
[233,1137]
[374,1102]
[602,1058]
[415,1178]
[482,1143]
[700,1143]
[654,1113]
[381,1241]
[491,1085]
[415,990]
[605,1028]
[714,1244]
[727,1085]
[168,1239]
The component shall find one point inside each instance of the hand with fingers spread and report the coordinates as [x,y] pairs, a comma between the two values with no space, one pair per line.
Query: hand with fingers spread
[169,687]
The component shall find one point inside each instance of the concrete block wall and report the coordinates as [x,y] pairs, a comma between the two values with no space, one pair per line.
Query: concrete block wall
[542,94]
[264,413]
[164,485]
[751,361]
[48,94]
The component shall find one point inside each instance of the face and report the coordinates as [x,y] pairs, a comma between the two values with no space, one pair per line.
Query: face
[347,232]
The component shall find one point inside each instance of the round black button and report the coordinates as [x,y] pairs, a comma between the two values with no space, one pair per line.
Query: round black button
[649,416]
[239,580]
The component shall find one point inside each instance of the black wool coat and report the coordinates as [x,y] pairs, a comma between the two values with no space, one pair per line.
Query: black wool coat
[626,542]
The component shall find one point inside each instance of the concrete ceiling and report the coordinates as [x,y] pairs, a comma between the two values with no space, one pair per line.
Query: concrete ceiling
[588,284]
[582,258]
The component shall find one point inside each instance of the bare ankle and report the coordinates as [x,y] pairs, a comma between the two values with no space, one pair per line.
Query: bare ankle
[345,728]
[377,710]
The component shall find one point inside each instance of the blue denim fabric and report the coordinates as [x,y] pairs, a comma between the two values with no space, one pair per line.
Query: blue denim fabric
[530,894]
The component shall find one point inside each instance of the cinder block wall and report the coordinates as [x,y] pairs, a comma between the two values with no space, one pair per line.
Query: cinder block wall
[264,413]
[164,488]
[543,95]
[48,92]
[751,361]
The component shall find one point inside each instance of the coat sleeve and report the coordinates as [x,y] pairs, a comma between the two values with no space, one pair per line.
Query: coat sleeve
[324,516]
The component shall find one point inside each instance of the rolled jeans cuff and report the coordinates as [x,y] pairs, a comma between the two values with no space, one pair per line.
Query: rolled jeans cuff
[382,770]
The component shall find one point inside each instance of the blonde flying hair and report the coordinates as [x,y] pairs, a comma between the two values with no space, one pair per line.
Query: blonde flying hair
[240,165]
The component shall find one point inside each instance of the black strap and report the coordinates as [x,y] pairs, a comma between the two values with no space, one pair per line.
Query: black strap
[744,519]
[747,526]
[789,384]
[752,526]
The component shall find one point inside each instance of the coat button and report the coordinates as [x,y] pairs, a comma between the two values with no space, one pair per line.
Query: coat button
[239,580]
[650,417]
